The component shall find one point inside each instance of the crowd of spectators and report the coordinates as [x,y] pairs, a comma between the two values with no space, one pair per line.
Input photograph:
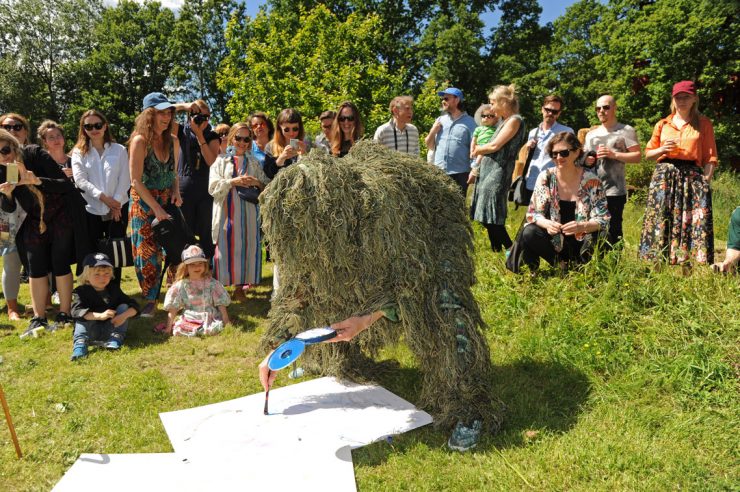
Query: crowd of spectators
[58,206]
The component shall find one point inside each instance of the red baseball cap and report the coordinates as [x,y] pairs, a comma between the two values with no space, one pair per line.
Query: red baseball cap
[684,86]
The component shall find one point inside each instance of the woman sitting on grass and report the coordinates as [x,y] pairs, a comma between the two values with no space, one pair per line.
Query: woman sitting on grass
[202,298]
[101,310]
[568,206]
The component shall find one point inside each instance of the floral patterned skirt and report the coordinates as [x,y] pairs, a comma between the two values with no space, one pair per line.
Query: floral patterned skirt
[678,223]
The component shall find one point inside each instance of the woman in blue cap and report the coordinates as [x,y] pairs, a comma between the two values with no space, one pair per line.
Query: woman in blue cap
[153,151]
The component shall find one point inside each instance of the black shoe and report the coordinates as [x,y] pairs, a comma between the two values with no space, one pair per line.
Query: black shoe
[36,328]
[61,320]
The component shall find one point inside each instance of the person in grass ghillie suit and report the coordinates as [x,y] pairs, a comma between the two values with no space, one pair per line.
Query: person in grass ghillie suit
[381,238]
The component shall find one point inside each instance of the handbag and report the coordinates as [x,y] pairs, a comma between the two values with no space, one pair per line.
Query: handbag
[518,192]
[516,253]
[249,194]
[118,250]
[173,234]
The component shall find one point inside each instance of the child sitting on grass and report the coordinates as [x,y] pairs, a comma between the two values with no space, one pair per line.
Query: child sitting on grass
[100,309]
[202,298]
[483,133]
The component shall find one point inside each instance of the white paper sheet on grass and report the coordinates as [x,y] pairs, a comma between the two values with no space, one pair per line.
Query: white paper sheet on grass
[329,409]
[305,441]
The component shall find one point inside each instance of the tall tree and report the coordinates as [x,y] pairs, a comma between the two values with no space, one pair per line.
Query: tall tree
[40,43]
[200,35]
[134,54]
[311,62]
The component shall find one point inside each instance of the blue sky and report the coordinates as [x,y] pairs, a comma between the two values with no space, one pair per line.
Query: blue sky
[551,10]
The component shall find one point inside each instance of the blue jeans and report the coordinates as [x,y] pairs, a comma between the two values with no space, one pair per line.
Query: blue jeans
[87,331]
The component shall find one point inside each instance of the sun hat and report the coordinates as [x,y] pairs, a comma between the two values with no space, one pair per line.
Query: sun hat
[157,100]
[97,260]
[451,91]
[684,86]
[193,254]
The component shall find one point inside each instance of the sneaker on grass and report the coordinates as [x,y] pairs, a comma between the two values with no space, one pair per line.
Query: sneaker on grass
[36,327]
[79,351]
[148,310]
[113,344]
[465,437]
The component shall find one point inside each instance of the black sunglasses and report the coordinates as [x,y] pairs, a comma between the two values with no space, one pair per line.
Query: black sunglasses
[445,98]
[346,118]
[223,135]
[14,128]
[6,150]
[486,115]
[561,153]
[242,139]
[551,111]
[605,107]
[287,129]
[93,126]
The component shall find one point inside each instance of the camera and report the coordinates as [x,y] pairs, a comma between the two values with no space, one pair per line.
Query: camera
[199,118]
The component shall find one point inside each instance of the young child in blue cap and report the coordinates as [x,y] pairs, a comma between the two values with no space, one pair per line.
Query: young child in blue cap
[100,309]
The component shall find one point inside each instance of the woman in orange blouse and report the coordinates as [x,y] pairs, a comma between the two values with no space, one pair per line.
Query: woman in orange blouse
[678,217]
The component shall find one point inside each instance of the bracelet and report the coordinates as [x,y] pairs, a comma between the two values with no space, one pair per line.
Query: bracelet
[202,143]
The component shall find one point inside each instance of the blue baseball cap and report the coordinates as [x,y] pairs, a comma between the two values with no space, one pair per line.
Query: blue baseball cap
[97,260]
[452,91]
[157,100]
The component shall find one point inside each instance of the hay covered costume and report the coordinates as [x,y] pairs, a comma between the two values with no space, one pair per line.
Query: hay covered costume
[382,231]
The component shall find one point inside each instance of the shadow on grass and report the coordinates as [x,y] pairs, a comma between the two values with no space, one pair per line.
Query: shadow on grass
[541,398]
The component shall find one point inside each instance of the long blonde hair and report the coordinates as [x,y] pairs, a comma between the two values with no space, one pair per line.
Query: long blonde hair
[182,271]
[694,113]
[507,95]
[143,126]
[15,147]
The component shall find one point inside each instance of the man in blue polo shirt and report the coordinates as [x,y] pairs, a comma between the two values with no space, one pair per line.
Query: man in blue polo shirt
[450,136]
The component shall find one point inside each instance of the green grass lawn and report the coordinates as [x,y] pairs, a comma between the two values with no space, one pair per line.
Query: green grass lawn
[619,377]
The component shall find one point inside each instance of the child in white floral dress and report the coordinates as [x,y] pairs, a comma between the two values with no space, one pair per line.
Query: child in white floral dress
[201,298]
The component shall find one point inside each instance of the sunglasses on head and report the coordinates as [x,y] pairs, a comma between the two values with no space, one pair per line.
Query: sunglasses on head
[14,128]
[551,111]
[96,126]
[486,115]
[6,150]
[260,124]
[242,139]
[561,153]
[346,118]
[287,129]
[605,107]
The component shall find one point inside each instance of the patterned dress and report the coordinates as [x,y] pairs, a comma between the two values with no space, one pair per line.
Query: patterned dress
[158,178]
[490,196]
[201,296]
[678,224]
[238,256]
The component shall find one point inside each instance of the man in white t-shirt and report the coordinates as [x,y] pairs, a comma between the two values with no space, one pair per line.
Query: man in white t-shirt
[538,138]
[612,144]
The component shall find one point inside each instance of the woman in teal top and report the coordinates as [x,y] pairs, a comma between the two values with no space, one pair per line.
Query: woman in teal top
[153,151]
[489,198]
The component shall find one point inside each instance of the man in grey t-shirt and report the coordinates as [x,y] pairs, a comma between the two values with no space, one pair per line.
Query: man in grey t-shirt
[614,145]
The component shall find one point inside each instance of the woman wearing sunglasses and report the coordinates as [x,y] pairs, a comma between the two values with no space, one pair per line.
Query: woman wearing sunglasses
[236,225]
[46,238]
[490,205]
[287,144]
[263,131]
[9,224]
[100,168]
[346,130]
[568,212]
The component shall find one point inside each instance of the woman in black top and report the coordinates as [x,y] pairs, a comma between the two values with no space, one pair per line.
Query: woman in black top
[289,128]
[347,129]
[46,239]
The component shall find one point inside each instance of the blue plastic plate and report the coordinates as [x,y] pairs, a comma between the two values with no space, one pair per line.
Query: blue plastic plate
[316,335]
[285,354]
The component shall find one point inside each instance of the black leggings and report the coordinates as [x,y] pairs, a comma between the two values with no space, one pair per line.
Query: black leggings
[536,244]
[197,208]
[498,237]
[615,204]
[49,255]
